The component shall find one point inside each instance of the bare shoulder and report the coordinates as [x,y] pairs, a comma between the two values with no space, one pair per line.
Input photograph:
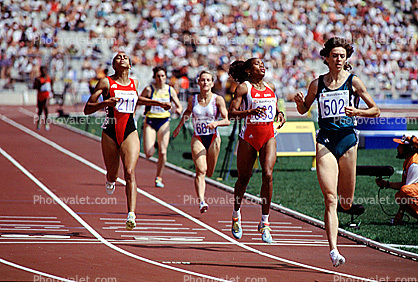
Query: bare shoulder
[103,83]
[313,86]
[219,99]
[271,85]
[241,90]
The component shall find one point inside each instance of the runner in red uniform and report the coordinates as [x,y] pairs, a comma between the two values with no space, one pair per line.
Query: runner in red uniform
[255,101]
[43,84]
[119,138]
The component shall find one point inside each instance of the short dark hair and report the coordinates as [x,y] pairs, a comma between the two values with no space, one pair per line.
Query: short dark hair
[157,69]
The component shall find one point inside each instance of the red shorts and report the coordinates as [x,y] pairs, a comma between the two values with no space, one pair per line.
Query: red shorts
[257,135]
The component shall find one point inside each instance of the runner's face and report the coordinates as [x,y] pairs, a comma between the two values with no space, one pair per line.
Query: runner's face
[337,58]
[257,67]
[205,82]
[160,77]
[121,60]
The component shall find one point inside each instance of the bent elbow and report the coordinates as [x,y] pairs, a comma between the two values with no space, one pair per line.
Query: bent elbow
[377,113]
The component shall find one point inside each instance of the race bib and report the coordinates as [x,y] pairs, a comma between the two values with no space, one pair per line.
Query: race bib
[127,101]
[332,104]
[158,109]
[269,105]
[201,126]
[46,87]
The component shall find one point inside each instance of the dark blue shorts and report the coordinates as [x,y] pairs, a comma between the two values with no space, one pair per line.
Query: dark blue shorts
[337,142]
[156,123]
[207,140]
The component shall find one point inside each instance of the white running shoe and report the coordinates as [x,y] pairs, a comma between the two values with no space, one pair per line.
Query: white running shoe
[336,258]
[203,207]
[110,187]
[130,221]
[264,229]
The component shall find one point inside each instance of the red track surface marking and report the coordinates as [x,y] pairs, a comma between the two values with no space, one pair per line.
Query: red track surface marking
[163,235]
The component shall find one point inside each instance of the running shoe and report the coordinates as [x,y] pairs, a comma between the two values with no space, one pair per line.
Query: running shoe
[47,127]
[38,126]
[203,207]
[110,187]
[264,229]
[130,222]
[336,258]
[236,227]
[159,182]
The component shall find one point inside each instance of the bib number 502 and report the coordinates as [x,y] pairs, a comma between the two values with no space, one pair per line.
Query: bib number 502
[334,107]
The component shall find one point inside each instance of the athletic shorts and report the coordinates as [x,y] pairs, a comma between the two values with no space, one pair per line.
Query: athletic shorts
[337,142]
[206,140]
[156,123]
[257,135]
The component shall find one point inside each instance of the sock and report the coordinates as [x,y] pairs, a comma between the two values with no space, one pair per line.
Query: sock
[264,218]
[110,183]
[334,253]
[131,213]
[236,213]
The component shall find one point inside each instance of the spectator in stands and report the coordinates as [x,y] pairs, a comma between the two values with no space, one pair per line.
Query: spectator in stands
[407,195]
[338,93]
[157,120]
[44,86]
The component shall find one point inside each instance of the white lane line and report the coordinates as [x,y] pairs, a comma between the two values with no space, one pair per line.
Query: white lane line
[90,229]
[150,196]
[153,232]
[274,231]
[145,228]
[25,221]
[20,217]
[31,229]
[28,225]
[139,219]
[139,223]
[9,263]
[255,222]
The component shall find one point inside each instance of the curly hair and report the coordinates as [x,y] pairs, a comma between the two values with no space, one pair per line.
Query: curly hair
[157,69]
[237,70]
[337,42]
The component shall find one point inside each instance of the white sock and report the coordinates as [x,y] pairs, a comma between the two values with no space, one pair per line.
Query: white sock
[264,218]
[110,183]
[334,253]
[236,213]
[131,213]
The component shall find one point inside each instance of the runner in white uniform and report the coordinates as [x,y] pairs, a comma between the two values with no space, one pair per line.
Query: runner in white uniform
[206,107]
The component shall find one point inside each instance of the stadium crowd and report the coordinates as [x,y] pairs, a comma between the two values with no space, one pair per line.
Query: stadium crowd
[186,36]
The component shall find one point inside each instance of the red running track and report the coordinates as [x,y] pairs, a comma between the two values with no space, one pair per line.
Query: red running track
[80,236]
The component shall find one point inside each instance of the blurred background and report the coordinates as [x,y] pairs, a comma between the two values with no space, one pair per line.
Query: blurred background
[78,39]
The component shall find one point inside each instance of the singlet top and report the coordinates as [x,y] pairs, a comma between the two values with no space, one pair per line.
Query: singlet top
[259,99]
[45,90]
[127,103]
[162,95]
[202,116]
[332,103]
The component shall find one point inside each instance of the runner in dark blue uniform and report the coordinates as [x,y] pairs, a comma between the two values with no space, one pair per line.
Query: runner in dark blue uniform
[337,93]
